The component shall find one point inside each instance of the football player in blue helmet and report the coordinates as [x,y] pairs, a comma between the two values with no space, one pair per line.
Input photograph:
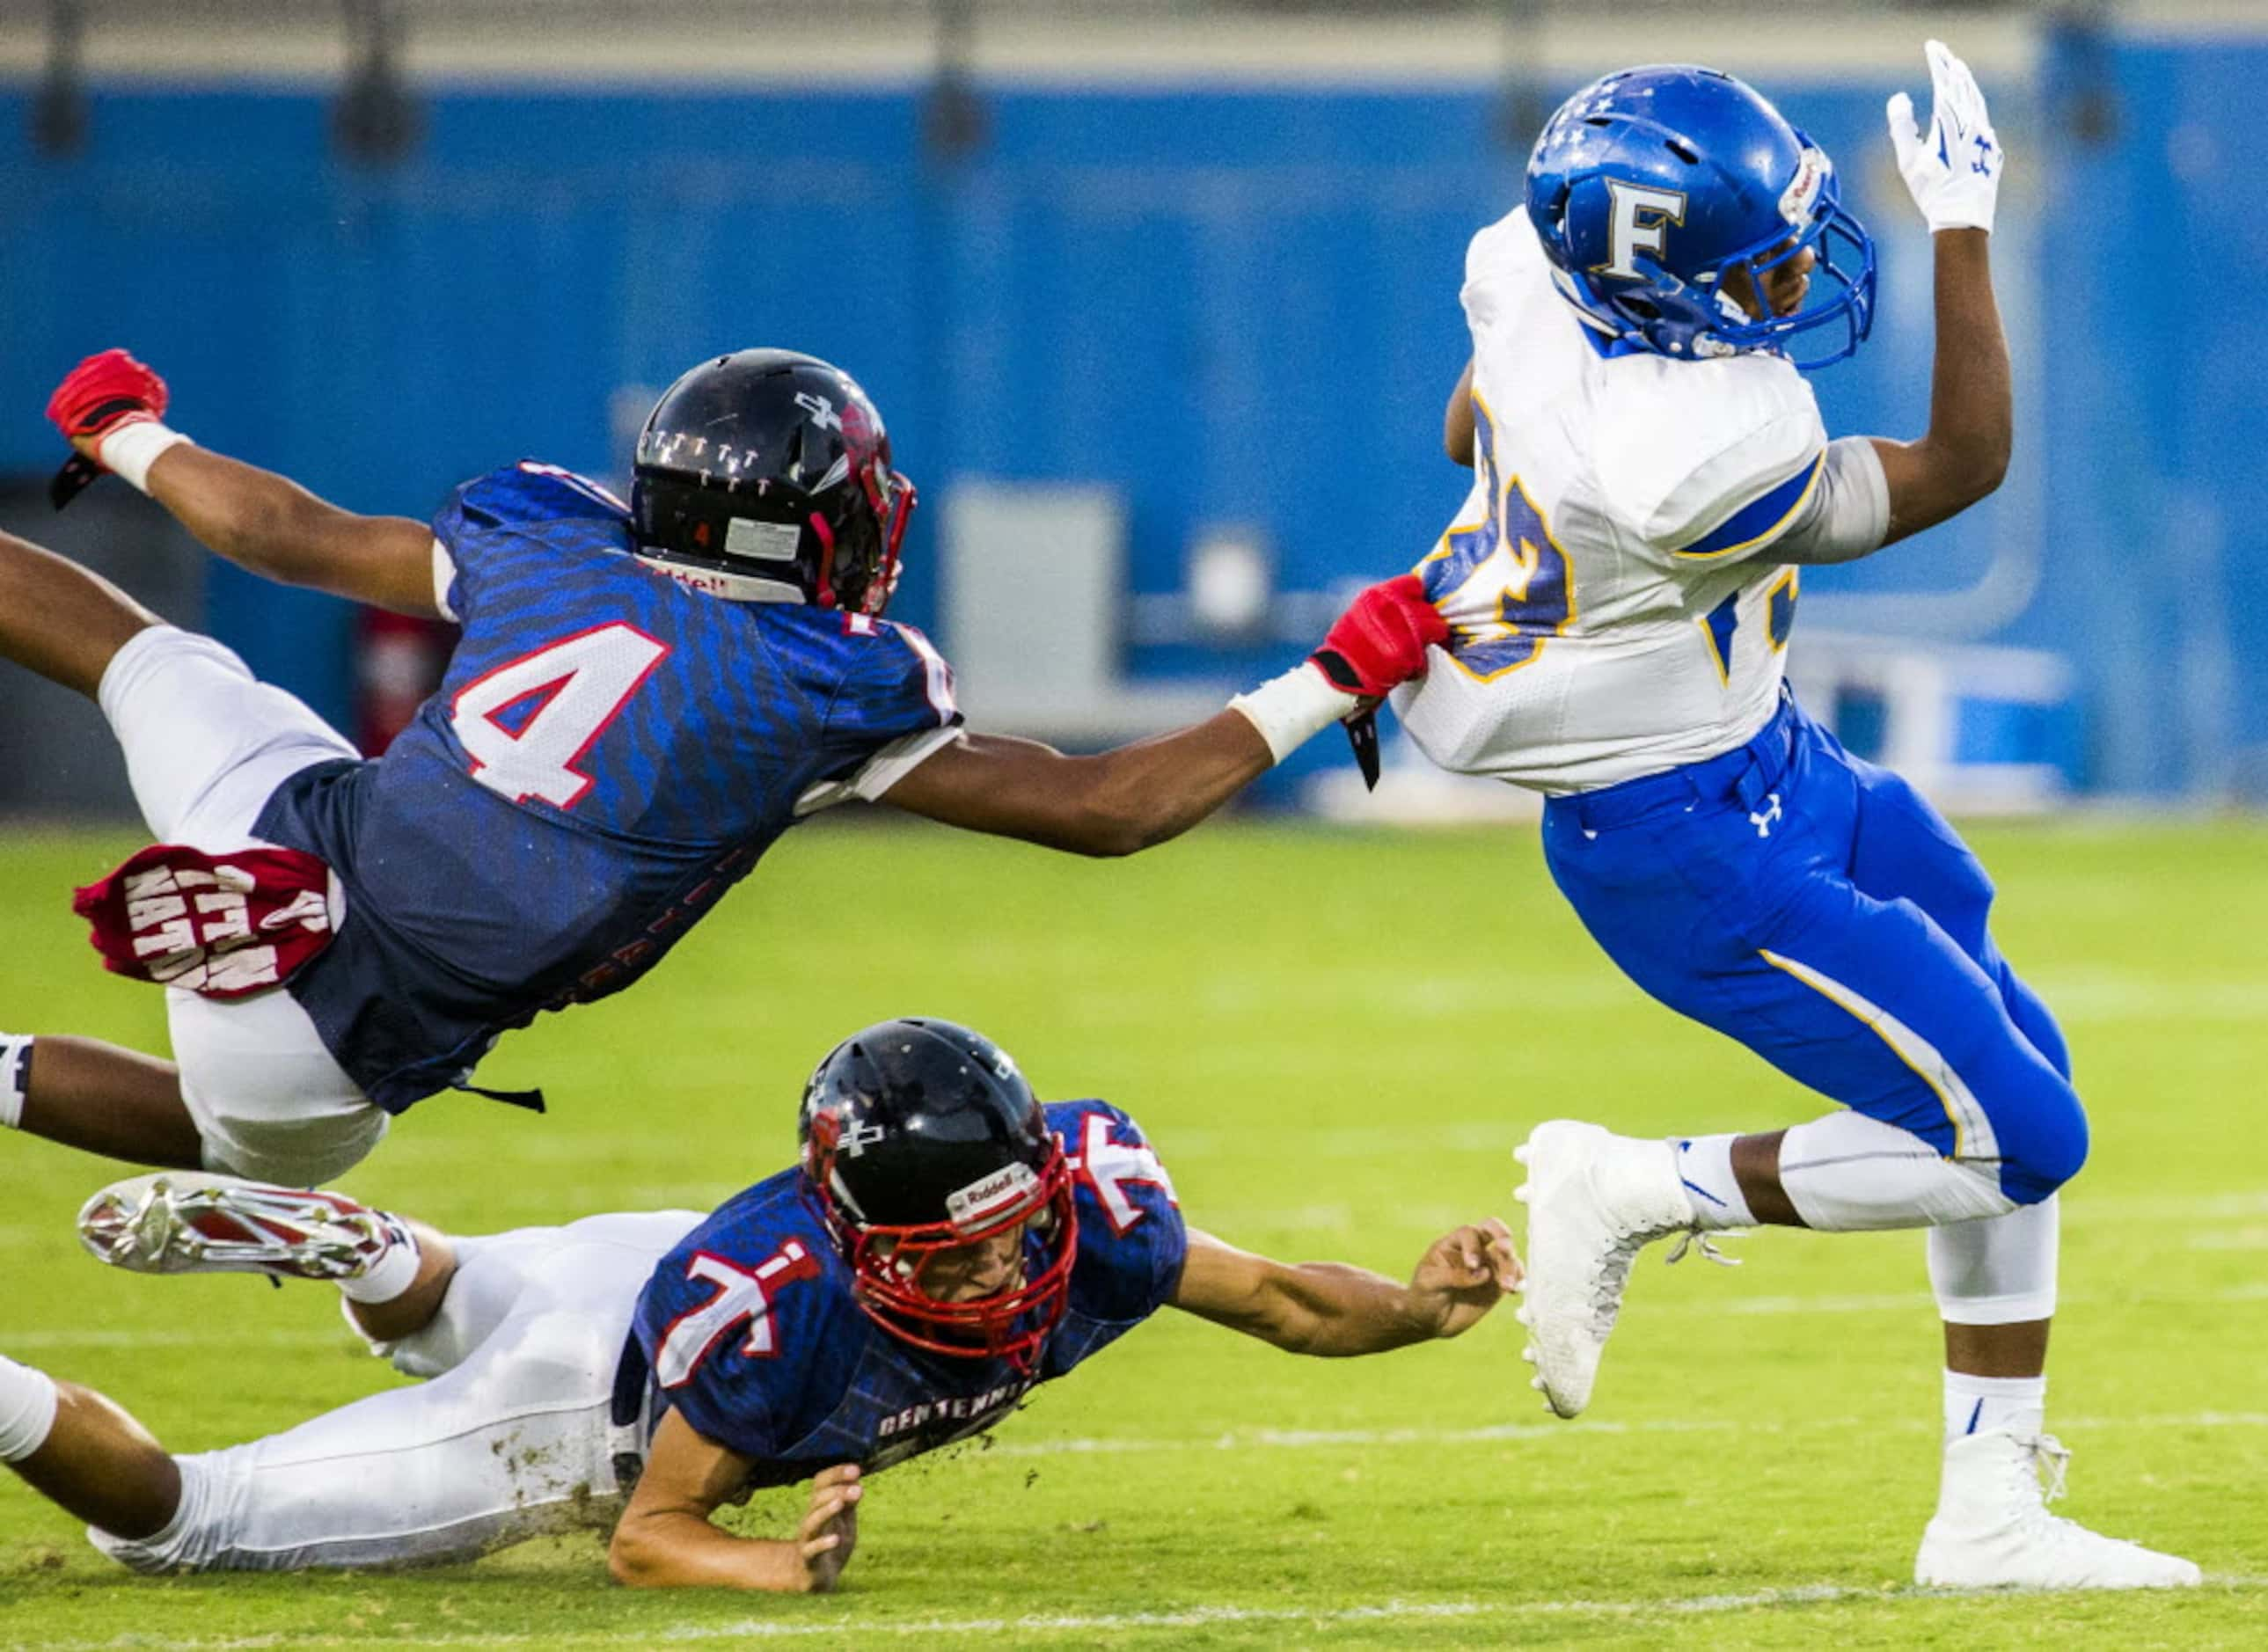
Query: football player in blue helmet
[1753,202]
[947,1242]
[1654,474]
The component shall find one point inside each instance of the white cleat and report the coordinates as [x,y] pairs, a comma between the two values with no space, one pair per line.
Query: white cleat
[1594,1200]
[198,1221]
[1992,1529]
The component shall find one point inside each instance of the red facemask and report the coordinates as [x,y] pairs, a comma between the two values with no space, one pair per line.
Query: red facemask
[888,1263]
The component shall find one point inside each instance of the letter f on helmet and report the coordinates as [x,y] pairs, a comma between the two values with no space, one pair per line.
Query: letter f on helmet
[1638,222]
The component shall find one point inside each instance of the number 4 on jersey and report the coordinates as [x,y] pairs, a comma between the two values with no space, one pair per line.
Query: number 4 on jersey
[527,723]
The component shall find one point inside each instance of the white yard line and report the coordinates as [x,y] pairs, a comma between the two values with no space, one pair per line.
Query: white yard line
[1193,1618]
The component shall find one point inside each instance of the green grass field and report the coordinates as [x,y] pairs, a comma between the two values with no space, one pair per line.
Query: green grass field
[1334,1039]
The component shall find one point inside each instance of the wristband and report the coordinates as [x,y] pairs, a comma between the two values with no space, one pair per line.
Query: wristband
[130,451]
[1291,710]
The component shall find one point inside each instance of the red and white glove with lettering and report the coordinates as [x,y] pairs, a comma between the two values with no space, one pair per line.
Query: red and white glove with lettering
[1378,643]
[113,405]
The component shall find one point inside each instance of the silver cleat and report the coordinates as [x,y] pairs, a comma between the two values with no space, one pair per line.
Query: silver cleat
[198,1221]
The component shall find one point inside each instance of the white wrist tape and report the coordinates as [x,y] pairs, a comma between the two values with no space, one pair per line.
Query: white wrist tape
[1292,709]
[130,451]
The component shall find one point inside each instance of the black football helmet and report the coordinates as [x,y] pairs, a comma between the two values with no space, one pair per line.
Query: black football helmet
[765,474]
[918,1137]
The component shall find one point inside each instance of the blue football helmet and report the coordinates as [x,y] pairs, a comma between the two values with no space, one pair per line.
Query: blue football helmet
[1649,185]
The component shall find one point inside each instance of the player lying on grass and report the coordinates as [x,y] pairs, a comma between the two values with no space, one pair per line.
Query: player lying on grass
[945,1244]
[1652,470]
[643,698]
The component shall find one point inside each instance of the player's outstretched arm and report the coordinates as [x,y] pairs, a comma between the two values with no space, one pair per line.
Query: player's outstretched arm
[1953,170]
[1115,803]
[1122,801]
[108,407]
[1334,1310]
[666,1538]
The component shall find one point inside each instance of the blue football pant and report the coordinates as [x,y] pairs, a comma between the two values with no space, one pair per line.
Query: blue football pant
[1816,908]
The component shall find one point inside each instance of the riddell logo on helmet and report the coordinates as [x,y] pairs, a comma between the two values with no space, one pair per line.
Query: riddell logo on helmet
[1002,1188]
[1801,199]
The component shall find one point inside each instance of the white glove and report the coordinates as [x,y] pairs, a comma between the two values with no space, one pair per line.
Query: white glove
[1953,170]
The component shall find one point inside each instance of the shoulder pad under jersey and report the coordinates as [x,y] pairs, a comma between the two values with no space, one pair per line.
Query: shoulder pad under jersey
[1707,460]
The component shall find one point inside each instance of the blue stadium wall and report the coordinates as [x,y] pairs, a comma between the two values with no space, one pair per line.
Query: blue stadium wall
[1237,306]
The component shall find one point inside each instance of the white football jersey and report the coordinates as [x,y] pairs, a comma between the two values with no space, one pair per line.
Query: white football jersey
[1614,607]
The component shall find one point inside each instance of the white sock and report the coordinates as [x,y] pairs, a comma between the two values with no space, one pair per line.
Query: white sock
[394,1272]
[1704,1164]
[1988,1405]
[27,1410]
[15,1069]
[1847,1173]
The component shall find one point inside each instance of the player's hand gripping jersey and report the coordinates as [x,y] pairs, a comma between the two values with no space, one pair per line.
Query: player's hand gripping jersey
[751,1330]
[1615,604]
[609,751]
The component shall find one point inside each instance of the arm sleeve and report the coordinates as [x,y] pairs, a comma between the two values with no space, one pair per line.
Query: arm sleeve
[1132,1240]
[738,1420]
[444,581]
[492,526]
[894,709]
[726,1395]
[456,527]
[1493,261]
[1848,512]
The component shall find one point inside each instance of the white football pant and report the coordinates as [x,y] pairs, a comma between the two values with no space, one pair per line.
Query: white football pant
[206,746]
[513,1437]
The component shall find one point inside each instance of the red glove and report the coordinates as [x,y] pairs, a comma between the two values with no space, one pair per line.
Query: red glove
[1381,640]
[106,393]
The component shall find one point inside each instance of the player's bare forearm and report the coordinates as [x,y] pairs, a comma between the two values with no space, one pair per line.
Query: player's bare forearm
[675,1549]
[1117,803]
[1340,1311]
[1971,406]
[274,527]
[666,1538]
[1334,1310]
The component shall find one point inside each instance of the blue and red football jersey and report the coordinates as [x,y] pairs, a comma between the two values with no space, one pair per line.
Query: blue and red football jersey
[749,1329]
[609,751]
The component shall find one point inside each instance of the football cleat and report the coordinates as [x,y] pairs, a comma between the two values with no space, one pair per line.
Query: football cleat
[1594,1199]
[185,1222]
[1992,1528]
